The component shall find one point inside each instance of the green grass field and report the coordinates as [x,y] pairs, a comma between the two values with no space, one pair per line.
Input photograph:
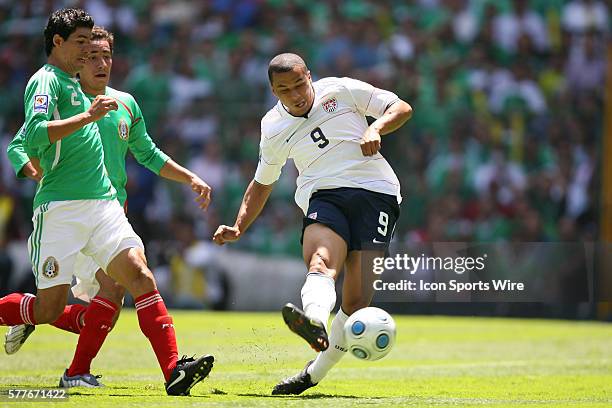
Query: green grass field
[437,361]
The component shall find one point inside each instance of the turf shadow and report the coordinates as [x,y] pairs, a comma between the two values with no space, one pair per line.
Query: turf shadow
[132,395]
[309,396]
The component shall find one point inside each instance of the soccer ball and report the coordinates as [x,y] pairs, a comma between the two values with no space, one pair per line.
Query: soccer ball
[370,333]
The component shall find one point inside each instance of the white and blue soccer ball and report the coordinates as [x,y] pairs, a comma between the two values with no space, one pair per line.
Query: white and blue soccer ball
[370,333]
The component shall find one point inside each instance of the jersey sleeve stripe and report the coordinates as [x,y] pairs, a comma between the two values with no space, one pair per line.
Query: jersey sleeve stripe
[268,163]
[126,108]
[391,103]
[58,144]
[370,100]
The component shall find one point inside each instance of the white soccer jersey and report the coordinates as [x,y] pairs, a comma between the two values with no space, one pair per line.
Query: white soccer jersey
[325,146]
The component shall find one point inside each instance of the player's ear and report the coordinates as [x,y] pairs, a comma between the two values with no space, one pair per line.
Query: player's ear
[57,40]
[272,87]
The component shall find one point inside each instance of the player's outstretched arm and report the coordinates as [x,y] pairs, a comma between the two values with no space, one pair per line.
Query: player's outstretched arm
[23,165]
[59,129]
[171,170]
[394,117]
[254,199]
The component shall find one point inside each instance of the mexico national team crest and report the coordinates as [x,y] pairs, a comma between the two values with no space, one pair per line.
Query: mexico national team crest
[50,268]
[124,130]
[330,105]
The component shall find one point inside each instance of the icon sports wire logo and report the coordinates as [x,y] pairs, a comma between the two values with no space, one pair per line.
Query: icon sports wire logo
[404,262]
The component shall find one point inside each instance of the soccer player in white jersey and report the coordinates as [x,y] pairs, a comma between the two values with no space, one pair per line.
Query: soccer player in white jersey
[348,192]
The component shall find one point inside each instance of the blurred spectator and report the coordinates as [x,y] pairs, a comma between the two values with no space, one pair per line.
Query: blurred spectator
[508,28]
[586,67]
[582,15]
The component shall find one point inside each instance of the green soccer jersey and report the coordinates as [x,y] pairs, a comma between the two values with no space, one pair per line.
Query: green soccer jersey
[73,167]
[120,130]
[125,129]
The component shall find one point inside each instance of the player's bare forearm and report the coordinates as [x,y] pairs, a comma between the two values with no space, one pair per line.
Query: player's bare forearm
[394,117]
[59,129]
[171,170]
[255,197]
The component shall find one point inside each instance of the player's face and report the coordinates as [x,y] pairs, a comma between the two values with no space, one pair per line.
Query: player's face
[95,74]
[294,90]
[73,50]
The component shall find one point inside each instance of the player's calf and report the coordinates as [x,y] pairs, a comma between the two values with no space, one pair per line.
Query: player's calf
[50,303]
[351,306]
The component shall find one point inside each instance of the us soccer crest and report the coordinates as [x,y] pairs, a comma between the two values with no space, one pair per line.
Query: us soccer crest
[330,105]
[124,130]
[50,268]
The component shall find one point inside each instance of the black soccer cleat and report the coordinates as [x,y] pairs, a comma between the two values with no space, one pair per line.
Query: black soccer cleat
[311,330]
[295,385]
[187,373]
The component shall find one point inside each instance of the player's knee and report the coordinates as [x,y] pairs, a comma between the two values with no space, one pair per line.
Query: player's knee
[143,280]
[141,277]
[110,289]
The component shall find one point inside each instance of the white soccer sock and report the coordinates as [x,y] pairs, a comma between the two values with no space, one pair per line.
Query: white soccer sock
[337,349]
[318,296]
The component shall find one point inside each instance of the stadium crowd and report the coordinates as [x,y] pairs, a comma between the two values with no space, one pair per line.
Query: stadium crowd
[503,145]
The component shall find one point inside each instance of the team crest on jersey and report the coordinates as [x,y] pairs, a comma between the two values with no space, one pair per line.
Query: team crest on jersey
[124,130]
[330,105]
[312,216]
[50,268]
[41,103]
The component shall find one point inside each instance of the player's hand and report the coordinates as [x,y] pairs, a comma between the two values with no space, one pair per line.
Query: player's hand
[203,191]
[30,172]
[101,106]
[226,234]
[370,142]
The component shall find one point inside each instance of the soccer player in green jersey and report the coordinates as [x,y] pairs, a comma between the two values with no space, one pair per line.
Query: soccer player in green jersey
[121,130]
[75,211]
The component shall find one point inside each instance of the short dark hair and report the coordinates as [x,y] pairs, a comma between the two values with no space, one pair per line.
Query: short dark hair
[285,63]
[65,22]
[99,33]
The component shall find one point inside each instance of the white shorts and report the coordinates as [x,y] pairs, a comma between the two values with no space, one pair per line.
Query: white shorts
[87,286]
[62,229]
